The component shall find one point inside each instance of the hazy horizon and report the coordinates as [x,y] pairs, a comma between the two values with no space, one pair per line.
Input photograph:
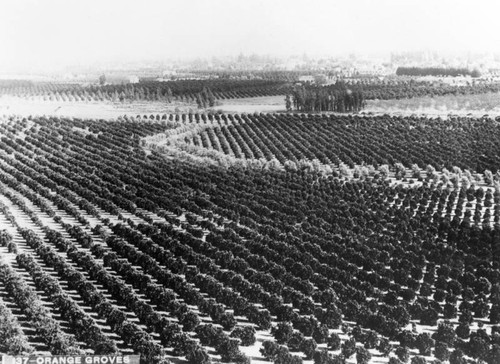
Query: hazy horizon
[52,34]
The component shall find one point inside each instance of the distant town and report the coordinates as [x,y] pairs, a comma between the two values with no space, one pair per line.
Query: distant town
[312,69]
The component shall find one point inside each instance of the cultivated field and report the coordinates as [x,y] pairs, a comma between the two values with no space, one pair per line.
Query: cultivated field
[266,237]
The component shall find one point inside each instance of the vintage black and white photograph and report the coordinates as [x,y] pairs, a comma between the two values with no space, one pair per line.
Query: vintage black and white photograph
[249,181]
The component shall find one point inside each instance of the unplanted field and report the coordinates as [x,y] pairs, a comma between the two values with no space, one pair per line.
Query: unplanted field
[11,105]
[252,104]
[94,110]
[472,105]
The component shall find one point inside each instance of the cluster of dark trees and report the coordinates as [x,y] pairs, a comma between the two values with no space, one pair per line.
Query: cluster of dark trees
[436,71]
[306,98]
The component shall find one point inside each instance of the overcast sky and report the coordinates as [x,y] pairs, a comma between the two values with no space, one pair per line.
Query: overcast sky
[65,32]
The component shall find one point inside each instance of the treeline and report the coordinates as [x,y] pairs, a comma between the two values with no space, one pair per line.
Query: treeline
[436,71]
[204,92]
[179,87]
[336,98]
[407,89]
[148,90]
[15,83]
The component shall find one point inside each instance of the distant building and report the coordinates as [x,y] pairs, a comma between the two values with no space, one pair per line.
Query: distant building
[306,79]
[169,73]
[133,79]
